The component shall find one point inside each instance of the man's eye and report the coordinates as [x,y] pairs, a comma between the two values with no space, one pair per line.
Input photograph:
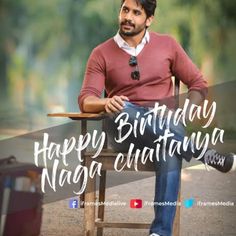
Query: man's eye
[125,10]
[137,13]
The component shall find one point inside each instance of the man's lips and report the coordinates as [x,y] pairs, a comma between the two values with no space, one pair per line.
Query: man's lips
[127,27]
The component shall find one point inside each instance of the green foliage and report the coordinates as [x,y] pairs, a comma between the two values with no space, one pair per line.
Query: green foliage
[44,45]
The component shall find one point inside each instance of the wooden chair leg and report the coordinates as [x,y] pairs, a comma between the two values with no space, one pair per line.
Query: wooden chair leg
[83,131]
[176,227]
[89,209]
[81,197]
[102,192]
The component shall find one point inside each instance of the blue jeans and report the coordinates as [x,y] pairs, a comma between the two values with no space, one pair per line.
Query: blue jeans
[168,172]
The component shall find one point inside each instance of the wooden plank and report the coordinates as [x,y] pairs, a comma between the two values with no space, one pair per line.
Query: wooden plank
[102,192]
[104,153]
[89,210]
[78,115]
[176,226]
[107,158]
[100,224]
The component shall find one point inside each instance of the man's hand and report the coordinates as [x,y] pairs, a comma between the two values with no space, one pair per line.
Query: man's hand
[94,104]
[115,104]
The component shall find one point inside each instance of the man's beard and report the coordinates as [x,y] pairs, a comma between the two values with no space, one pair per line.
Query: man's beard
[130,33]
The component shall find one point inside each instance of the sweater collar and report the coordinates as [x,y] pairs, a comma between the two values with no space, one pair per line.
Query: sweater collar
[131,50]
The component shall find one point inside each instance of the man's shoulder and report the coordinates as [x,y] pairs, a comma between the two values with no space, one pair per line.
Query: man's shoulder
[161,37]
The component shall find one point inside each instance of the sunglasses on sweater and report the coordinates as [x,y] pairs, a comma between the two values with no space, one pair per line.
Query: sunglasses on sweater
[135,75]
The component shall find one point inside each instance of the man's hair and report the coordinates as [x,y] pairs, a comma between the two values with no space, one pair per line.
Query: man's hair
[149,6]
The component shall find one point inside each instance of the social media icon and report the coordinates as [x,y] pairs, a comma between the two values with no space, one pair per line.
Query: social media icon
[136,203]
[73,203]
[188,203]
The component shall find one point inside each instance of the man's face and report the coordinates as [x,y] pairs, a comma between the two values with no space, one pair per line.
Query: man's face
[133,19]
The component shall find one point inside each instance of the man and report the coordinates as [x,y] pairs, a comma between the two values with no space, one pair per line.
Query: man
[135,68]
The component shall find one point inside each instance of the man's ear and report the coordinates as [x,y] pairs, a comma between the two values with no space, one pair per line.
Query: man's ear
[149,21]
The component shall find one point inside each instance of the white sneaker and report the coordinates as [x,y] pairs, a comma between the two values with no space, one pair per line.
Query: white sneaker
[153,234]
[233,168]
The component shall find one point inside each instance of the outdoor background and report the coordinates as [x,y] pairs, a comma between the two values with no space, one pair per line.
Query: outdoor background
[44,46]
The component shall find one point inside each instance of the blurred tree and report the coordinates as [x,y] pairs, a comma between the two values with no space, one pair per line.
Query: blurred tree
[44,45]
[207,31]
[13,20]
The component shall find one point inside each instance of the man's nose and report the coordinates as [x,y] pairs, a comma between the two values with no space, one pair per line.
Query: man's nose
[128,16]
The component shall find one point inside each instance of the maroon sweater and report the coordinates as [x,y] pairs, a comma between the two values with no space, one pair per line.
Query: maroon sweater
[108,67]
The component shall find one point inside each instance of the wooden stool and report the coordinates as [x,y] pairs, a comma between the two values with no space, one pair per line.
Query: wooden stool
[107,158]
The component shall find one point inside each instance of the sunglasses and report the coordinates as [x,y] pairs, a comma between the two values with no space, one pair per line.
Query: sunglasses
[135,75]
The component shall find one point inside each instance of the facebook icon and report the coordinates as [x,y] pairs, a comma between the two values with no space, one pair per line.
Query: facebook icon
[73,203]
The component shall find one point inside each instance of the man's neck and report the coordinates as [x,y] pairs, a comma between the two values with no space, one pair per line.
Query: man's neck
[134,41]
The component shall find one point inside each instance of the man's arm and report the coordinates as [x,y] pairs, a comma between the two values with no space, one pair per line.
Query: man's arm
[195,97]
[185,70]
[109,105]
[94,82]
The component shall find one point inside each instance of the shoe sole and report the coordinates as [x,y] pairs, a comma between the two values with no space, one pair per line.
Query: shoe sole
[233,168]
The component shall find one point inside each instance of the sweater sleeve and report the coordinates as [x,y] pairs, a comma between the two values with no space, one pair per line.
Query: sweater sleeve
[186,71]
[94,78]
